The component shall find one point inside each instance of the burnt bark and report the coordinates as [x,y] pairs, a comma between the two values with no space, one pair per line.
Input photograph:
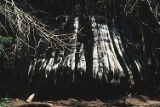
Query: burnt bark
[115,44]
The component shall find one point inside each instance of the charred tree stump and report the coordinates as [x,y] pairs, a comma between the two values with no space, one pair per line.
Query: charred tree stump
[112,44]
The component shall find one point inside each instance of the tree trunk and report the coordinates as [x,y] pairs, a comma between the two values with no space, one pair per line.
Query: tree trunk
[111,41]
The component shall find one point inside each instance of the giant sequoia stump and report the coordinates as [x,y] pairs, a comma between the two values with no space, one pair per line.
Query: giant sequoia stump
[110,44]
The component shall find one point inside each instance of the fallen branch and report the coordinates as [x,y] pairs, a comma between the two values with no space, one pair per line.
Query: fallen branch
[25,26]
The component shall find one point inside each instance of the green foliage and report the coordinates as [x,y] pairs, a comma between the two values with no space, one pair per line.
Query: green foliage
[4,40]
[129,95]
[4,102]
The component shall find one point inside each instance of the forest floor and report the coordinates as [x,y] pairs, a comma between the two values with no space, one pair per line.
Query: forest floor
[138,101]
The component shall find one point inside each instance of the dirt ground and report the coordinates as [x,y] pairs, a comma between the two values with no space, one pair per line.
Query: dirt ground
[137,101]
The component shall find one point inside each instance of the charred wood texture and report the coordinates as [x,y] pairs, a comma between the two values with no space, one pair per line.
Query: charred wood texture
[112,47]
[101,54]
[114,42]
